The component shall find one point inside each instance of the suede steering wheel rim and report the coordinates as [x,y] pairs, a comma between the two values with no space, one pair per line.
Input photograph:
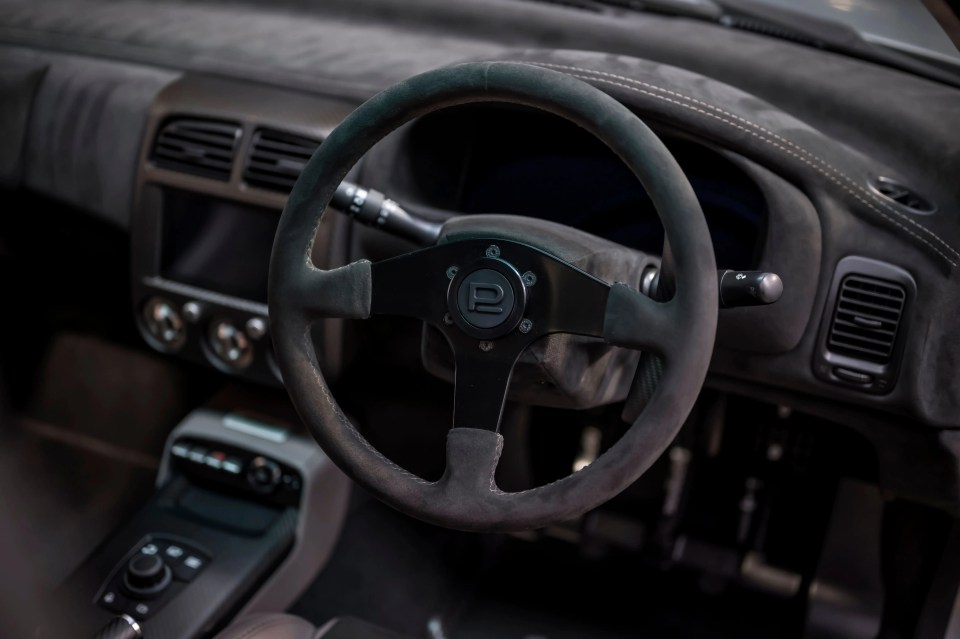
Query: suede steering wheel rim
[680,331]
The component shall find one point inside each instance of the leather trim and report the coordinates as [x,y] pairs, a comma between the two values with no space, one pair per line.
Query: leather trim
[273,626]
[815,162]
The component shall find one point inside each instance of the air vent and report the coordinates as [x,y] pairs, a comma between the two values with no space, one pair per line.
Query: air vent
[864,332]
[197,146]
[906,197]
[866,318]
[276,159]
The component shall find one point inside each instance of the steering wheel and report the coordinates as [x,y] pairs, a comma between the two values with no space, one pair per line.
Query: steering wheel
[491,297]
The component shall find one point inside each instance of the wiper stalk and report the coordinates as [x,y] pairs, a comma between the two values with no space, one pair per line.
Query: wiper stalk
[373,208]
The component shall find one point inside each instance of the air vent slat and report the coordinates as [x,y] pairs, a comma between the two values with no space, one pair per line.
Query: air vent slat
[287,149]
[273,156]
[884,329]
[275,183]
[881,294]
[281,167]
[866,318]
[866,354]
[866,308]
[187,150]
[848,337]
[871,286]
[254,172]
[192,137]
[192,161]
[187,160]
[197,146]
[191,152]
[276,159]
[180,123]
[273,178]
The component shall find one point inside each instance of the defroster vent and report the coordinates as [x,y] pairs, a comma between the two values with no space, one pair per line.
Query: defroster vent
[197,146]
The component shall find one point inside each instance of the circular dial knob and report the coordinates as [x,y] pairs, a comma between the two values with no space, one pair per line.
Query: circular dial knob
[263,474]
[230,344]
[146,575]
[164,323]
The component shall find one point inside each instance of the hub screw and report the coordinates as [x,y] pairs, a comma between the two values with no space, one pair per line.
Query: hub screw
[452,272]
[486,347]
[528,279]
[526,325]
[447,319]
[493,251]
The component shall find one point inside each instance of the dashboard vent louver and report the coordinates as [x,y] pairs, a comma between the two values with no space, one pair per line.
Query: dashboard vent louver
[197,146]
[866,318]
[276,159]
[768,29]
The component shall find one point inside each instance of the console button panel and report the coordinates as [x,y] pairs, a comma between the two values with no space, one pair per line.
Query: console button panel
[237,469]
[155,571]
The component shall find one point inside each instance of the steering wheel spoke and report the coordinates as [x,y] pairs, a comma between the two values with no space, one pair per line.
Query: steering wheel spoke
[410,285]
[575,303]
[633,320]
[481,381]
[342,292]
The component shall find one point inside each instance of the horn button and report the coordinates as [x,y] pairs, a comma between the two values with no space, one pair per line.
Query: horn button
[487,298]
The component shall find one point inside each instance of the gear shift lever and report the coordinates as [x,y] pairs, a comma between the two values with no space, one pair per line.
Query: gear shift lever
[122,627]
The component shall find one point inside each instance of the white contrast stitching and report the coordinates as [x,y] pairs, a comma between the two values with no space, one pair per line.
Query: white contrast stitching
[766,139]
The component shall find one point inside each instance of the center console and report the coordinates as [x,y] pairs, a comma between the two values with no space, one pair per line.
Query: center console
[245,515]
[246,509]
[217,163]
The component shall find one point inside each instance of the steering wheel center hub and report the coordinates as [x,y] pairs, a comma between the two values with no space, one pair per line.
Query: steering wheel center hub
[487,298]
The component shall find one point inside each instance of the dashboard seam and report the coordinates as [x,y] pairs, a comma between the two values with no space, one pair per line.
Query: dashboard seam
[759,136]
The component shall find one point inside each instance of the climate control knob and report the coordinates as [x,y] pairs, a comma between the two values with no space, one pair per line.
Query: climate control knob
[164,323]
[230,344]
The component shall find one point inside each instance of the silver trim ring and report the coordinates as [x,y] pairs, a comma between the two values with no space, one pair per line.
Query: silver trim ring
[133,624]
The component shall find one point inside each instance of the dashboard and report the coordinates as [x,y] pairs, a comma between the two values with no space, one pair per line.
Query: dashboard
[216,164]
[214,169]
[796,171]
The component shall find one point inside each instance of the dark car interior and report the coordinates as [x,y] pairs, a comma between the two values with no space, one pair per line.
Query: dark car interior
[476,319]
